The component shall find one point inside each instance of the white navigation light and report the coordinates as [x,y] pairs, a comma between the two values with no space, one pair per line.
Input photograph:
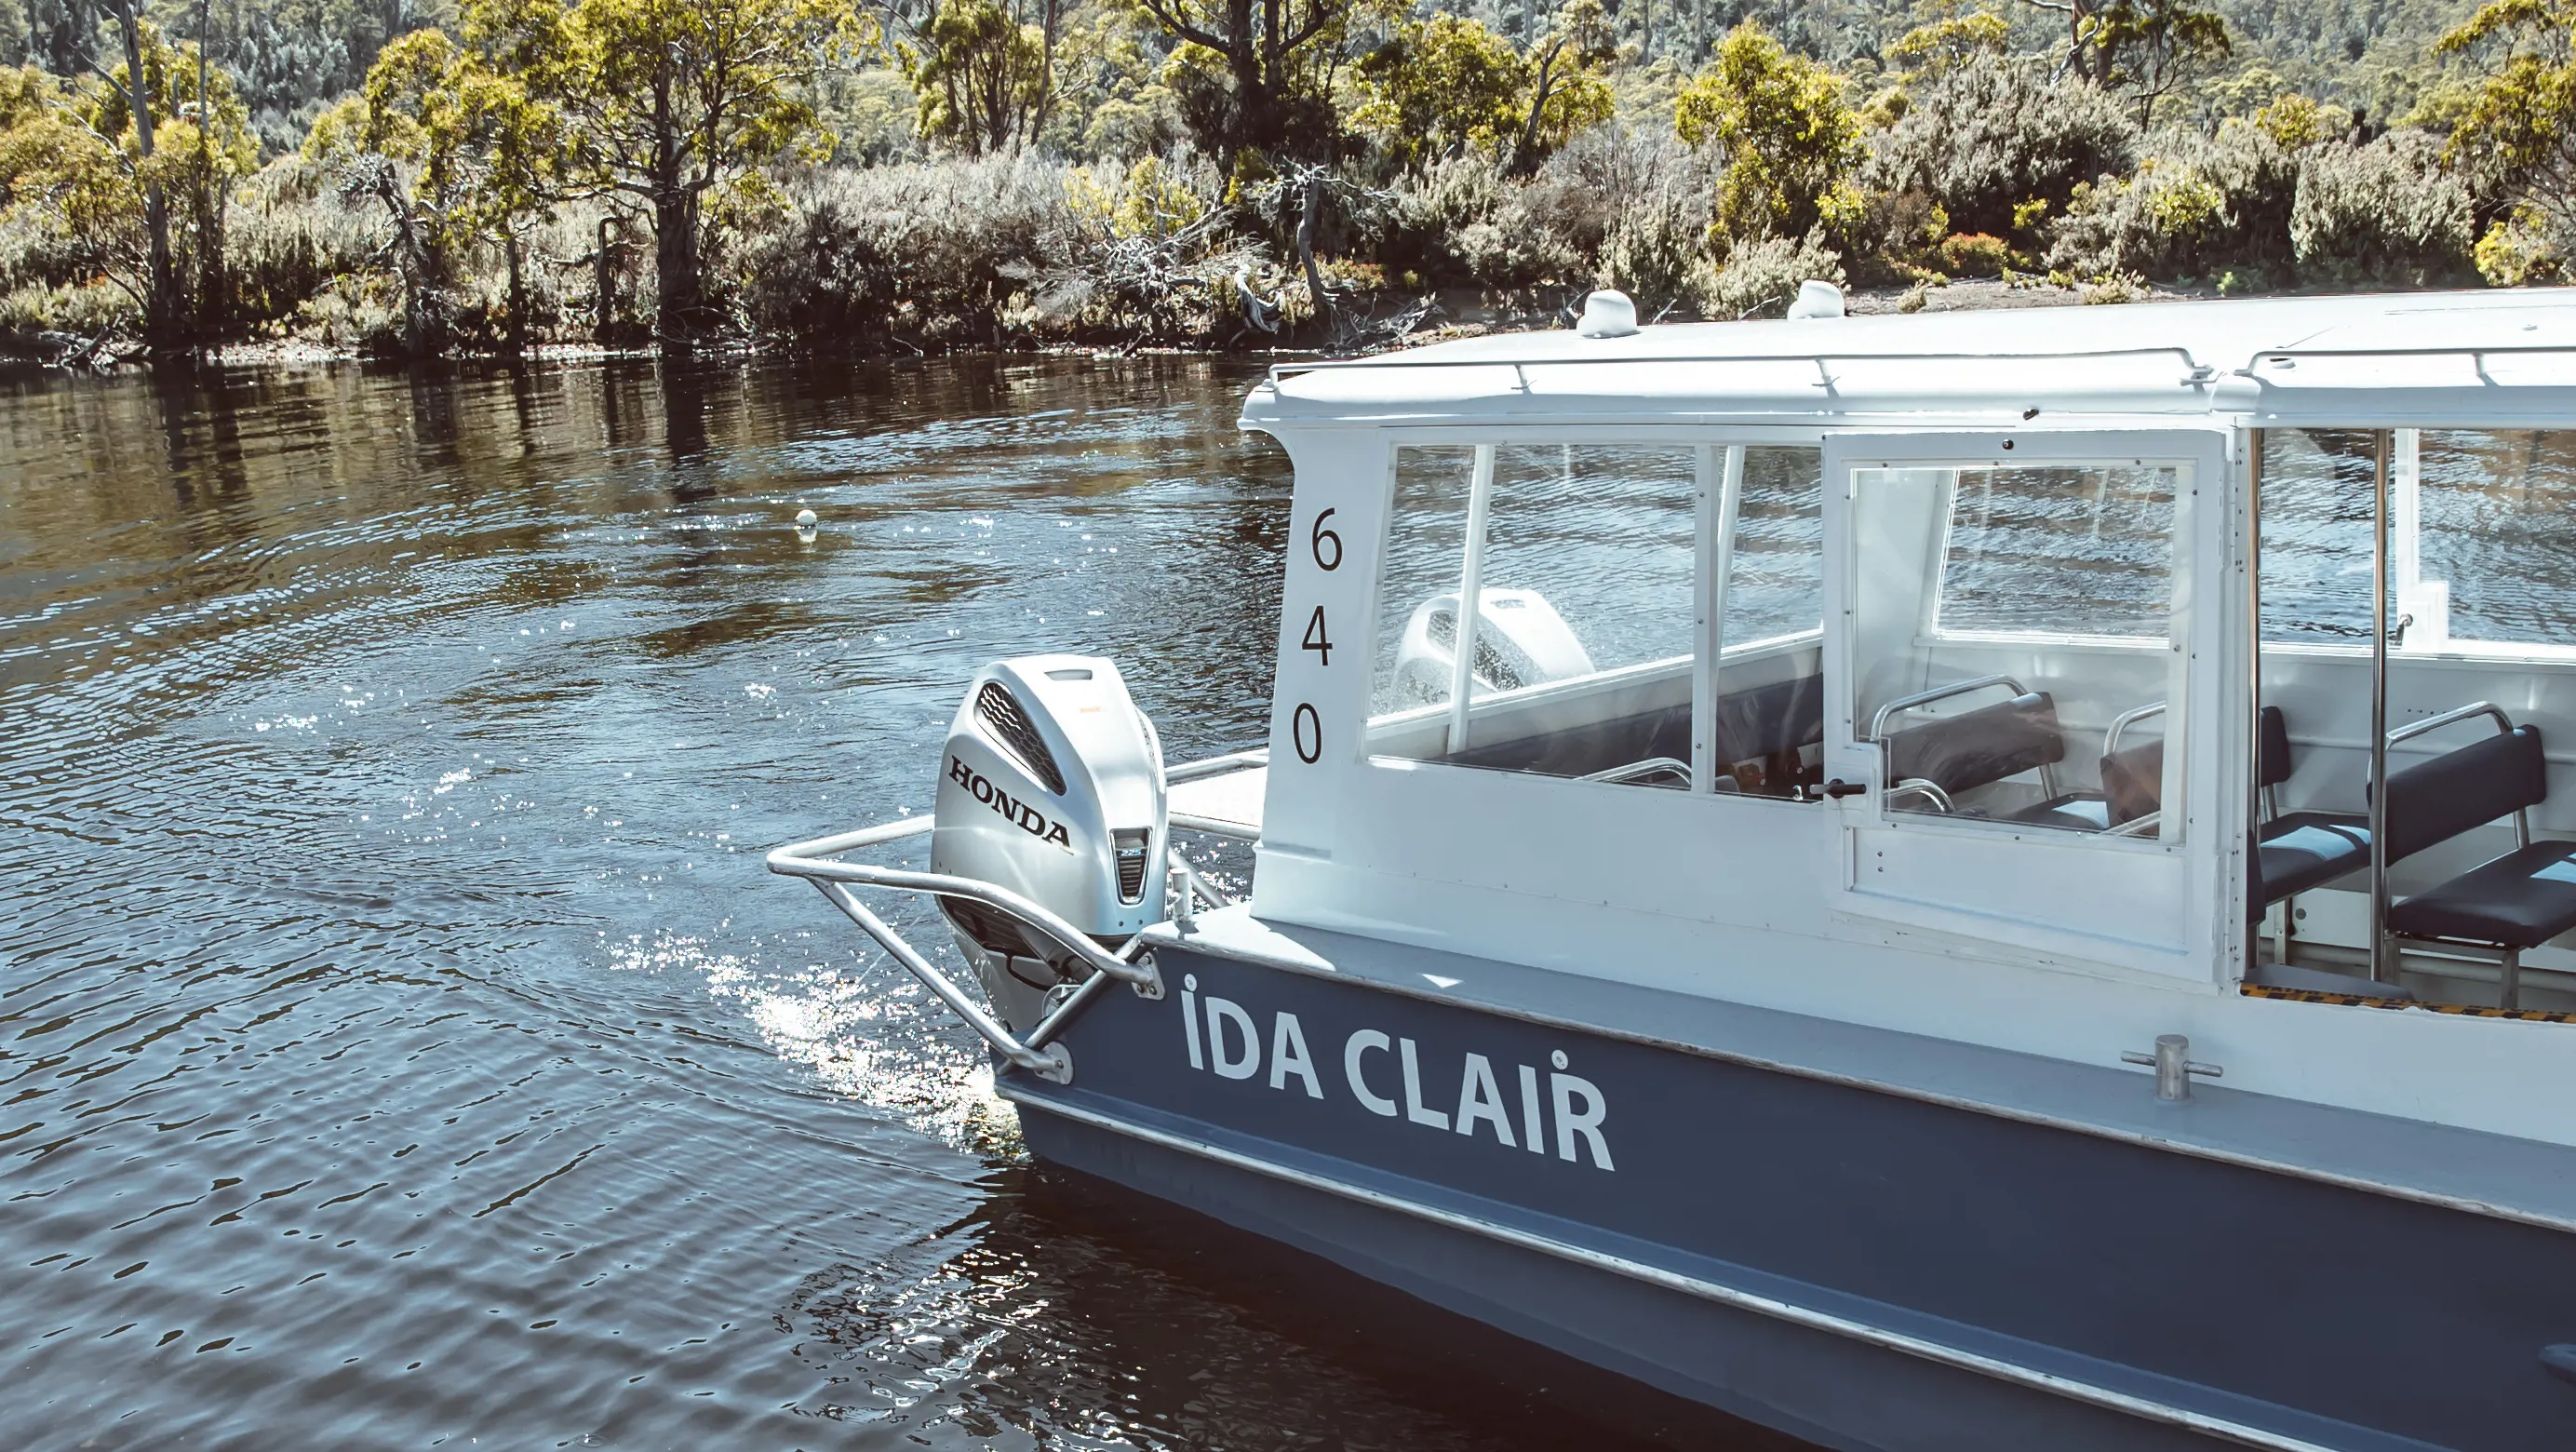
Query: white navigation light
[1607,314]
[1817,300]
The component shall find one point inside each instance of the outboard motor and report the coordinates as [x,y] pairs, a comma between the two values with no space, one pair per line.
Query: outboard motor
[1051,786]
[1520,641]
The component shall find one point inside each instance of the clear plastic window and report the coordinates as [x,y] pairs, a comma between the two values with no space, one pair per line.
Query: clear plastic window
[2491,551]
[1578,662]
[1582,660]
[2016,643]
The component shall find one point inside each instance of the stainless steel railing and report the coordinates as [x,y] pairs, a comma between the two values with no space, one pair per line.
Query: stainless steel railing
[819,862]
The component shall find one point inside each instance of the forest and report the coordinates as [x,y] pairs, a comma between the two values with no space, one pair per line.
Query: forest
[192,179]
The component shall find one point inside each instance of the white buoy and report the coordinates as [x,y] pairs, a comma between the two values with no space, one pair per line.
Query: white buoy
[805,519]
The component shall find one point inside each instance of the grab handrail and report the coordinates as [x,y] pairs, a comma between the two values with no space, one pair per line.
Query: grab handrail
[1878,721]
[2453,717]
[2471,711]
[2199,372]
[815,861]
[2121,723]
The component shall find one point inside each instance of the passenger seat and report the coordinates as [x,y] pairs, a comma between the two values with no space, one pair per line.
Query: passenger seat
[2514,902]
[2301,850]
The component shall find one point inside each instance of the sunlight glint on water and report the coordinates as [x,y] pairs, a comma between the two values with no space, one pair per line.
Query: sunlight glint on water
[402,1043]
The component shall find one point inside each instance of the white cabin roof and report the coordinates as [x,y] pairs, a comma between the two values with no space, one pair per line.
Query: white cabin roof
[2493,357]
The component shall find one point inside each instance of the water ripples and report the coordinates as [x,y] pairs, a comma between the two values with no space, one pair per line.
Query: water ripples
[400,1042]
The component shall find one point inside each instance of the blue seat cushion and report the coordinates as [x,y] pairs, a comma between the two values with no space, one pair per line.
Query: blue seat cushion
[2302,850]
[2520,900]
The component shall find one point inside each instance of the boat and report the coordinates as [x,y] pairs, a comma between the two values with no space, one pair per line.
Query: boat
[1987,880]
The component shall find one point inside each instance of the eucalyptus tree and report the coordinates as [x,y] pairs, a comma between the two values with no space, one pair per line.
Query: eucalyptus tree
[677,103]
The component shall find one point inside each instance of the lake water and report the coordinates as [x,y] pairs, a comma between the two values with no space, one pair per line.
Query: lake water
[402,1044]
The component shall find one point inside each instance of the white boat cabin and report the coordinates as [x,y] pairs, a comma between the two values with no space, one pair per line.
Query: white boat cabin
[2011,677]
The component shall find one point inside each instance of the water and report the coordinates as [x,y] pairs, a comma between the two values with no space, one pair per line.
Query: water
[401,1043]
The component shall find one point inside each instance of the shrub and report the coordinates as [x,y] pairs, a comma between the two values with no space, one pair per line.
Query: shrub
[1779,128]
[285,238]
[1590,187]
[1424,228]
[1974,254]
[930,252]
[1656,251]
[1761,276]
[1989,135]
[2517,251]
[2384,213]
[2194,202]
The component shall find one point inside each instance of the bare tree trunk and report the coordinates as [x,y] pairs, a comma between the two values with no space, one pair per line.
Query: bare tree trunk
[515,326]
[160,307]
[1309,224]
[210,202]
[675,232]
[604,298]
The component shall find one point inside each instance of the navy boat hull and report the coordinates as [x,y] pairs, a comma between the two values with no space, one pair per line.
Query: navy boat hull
[1858,1268]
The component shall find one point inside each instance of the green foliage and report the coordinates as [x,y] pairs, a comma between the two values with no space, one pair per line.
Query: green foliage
[2145,48]
[1782,129]
[1256,79]
[74,176]
[678,104]
[2385,214]
[984,78]
[1947,41]
[2196,201]
[1992,134]
[1657,250]
[1440,86]
[1974,254]
[2516,132]
[2519,251]
[1761,276]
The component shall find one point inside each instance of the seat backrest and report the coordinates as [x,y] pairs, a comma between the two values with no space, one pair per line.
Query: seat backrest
[2437,800]
[2133,781]
[2272,756]
[1980,747]
[1767,720]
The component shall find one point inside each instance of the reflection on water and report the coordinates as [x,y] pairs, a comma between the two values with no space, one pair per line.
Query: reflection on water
[401,1042]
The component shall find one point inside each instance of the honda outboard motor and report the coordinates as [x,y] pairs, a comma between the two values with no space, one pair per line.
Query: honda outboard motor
[1052,787]
[1520,641]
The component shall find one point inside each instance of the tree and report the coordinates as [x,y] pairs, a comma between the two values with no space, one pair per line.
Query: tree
[1248,76]
[456,153]
[1437,87]
[92,166]
[2516,133]
[1782,128]
[984,79]
[161,297]
[2142,47]
[675,102]
[1935,46]
[1567,90]
[1440,86]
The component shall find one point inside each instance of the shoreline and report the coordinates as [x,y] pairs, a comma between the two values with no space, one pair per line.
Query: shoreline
[1469,316]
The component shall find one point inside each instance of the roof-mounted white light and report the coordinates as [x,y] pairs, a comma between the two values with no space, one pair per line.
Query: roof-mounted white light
[1817,300]
[1607,314]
